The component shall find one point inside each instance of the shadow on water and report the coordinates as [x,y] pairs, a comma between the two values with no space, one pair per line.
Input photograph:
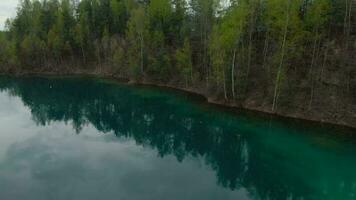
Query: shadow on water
[272,158]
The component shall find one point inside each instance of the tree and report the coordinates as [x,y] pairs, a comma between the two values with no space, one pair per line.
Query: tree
[119,58]
[231,35]
[184,61]
[55,44]
[316,18]
[82,33]
[179,23]
[284,23]
[8,54]
[136,36]
[203,19]
[160,12]
[119,16]
[218,58]
[238,46]
[158,58]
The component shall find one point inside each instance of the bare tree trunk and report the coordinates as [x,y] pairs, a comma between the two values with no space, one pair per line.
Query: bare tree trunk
[61,59]
[346,16]
[279,73]
[205,51]
[233,74]
[325,54]
[324,61]
[97,51]
[252,26]
[348,33]
[265,53]
[265,50]
[225,93]
[83,53]
[45,59]
[311,73]
[249,58]
[141,44]
[349,23]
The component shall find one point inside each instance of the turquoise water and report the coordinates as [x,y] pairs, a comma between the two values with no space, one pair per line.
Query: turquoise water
[89,139]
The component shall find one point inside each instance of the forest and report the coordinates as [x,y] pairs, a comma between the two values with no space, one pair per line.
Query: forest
[294,57]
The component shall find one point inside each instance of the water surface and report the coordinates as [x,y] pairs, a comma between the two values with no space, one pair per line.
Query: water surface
[89,139]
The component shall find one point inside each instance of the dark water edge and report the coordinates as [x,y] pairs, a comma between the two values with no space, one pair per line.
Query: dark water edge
[234,109]
[195,94]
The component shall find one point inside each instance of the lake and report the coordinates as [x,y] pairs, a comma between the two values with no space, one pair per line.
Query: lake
[78,138]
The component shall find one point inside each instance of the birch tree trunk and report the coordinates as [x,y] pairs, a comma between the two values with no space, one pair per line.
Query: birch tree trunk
[83,53]
[312,68]
[141,41]
[224,79]
[233,74]
[279,72]
[252,26]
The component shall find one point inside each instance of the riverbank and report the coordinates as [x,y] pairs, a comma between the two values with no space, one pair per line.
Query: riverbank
[324,117]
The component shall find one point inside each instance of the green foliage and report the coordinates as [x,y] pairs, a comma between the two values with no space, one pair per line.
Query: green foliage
[55,43]
[119,60]
[233,26]
[285,27]
[220,41]
[218,56]
[159,12]
[159,61]
[8,54]
[119,16]
[136,35]
[184,61]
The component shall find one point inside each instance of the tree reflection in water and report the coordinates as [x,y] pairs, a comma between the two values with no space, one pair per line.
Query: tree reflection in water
[240,149]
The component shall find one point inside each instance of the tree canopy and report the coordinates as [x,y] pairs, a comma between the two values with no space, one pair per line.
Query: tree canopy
[222,44]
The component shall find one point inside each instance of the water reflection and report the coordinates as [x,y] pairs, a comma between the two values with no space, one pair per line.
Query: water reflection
[255,159]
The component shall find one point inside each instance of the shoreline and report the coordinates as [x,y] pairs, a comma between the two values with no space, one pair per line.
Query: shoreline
[238,107]
[191,91]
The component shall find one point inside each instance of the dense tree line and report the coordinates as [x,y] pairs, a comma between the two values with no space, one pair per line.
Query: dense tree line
[231,47]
